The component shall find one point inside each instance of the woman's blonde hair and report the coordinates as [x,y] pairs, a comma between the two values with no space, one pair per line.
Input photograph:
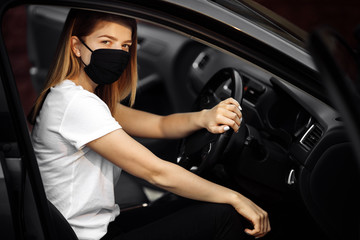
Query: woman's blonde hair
[66,65]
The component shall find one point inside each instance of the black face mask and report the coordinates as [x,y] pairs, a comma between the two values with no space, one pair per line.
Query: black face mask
[106,65]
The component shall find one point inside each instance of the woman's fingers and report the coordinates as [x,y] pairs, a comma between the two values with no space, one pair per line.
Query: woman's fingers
[259,229]
[257,216]
[232,101]
[227,114]
[232,105]
[232,115]
[261,226]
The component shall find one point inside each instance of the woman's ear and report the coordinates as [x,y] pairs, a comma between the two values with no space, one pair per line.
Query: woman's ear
[75,45]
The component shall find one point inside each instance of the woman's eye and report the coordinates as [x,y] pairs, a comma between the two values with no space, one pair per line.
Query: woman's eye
[126,47]
[105,42]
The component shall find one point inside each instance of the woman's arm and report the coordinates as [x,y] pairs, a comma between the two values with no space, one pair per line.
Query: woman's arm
[142,124]
[122,150]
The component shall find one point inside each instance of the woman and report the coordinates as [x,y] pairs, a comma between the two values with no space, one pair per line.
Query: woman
[81,141]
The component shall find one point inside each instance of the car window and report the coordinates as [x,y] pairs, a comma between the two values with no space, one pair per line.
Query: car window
[14,30]
[31,48]
[265,19]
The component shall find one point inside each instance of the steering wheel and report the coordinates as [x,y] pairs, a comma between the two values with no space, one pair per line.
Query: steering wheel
[202,149]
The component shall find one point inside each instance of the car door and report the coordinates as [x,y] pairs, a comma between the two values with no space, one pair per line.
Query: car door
[6,194]
[27,213]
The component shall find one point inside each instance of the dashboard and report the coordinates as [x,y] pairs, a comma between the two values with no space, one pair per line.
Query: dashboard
[288,130]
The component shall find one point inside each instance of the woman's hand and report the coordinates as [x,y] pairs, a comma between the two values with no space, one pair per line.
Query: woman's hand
[223,116]
[253,213]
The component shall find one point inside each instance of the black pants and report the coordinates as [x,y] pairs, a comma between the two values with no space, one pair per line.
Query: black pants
[180,220]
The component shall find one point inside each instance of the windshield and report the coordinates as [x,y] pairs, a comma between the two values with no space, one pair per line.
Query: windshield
[266,19]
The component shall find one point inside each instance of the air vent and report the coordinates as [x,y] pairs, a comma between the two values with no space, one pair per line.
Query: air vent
[311,137]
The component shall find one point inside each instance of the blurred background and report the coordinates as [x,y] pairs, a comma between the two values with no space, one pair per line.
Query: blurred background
[342,15]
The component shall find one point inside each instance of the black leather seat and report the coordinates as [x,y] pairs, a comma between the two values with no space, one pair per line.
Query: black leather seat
[62,226]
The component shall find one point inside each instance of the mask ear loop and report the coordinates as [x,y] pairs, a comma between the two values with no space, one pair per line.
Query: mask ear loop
[87,48]
[85,45]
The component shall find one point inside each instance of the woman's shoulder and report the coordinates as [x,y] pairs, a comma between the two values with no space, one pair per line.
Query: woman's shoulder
[67,91]
[69,87]
[67,96]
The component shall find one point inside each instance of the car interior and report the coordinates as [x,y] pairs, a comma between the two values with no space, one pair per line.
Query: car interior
[292,155]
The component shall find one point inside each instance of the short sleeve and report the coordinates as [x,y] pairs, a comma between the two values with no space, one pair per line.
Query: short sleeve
[85,119]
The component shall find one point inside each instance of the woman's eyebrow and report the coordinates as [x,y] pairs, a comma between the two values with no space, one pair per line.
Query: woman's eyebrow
[128,42]
[108,36]
[114,38]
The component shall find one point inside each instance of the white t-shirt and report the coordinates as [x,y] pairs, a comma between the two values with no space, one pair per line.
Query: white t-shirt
[77,180]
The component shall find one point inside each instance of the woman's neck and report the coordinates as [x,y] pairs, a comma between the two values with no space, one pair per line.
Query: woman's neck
[82,79]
